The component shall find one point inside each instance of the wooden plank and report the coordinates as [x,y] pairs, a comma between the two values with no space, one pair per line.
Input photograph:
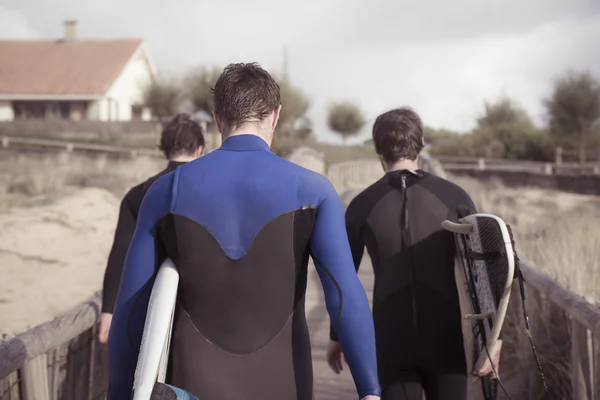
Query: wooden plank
[77,383]
[580,362]
[34,379]
[9,387]
[596,366]
[578,307]
[44,337]
[53,373]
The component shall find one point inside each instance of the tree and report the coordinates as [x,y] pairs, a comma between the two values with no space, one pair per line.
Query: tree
[503,111]
[505,130]
[345,118]
[162,96]
[199,84]
[574,109]
[293,121]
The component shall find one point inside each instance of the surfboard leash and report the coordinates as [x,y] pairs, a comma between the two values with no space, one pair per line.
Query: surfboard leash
[496,374]
[519,276]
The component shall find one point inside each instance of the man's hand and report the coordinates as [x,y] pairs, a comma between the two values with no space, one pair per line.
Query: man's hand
[334,357]
[371,398]
[486,369]
[104,328]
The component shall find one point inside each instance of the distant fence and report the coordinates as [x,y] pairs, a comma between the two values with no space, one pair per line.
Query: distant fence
[40,144]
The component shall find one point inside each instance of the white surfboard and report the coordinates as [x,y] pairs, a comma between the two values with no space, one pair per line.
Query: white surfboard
[154,351]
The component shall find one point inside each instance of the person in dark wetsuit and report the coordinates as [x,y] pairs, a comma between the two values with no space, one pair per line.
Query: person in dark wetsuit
[240,224]
[182,140]
[416,307]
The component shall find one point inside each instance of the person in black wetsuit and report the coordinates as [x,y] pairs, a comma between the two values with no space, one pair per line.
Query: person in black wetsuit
[240,224]
[416,307]
[182,140]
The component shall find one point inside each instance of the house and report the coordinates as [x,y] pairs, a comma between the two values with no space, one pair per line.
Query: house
[74,79]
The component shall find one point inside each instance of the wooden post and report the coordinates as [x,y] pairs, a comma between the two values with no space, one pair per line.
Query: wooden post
[34,377]
[548,169]
[5,141]
[580,362]
[558,156]
[596,363]
[481,164]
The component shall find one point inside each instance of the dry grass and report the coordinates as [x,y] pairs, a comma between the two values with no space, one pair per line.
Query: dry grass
[31,179]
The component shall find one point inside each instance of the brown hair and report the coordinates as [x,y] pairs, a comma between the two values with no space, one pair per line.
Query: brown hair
[244,93]
[398,134]
[181,136]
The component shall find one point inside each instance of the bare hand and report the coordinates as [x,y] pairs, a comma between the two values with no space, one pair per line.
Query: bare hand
[486,369]
[371,398]
[104,328]
[334,357]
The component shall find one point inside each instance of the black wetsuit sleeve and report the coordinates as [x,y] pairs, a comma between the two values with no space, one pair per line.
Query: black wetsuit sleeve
[354,226]
[116,259]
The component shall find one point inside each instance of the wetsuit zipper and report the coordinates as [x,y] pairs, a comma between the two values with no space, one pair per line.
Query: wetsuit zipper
[408,245]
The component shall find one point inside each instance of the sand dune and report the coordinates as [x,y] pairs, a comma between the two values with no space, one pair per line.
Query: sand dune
[52,257]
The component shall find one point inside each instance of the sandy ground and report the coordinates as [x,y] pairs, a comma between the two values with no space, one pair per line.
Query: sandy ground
[52,257]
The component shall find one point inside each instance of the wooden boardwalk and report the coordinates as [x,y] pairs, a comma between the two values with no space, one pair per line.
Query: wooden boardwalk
[328,385]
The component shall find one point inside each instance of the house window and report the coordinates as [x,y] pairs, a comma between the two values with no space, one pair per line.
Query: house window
[59,110]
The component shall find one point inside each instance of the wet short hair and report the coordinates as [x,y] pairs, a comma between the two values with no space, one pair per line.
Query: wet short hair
[245,93]
[181,136]
[398,134]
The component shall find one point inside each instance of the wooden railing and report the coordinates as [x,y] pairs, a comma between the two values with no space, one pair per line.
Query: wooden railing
[57,360]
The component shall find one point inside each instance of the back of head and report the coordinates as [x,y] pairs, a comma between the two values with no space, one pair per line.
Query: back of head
[398,135]
[244,94]
[182,137]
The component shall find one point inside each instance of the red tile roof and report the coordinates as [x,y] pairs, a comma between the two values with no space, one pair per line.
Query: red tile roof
[87,67]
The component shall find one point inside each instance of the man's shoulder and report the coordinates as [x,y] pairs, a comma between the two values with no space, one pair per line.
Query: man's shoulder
[446,190]
[366,198]
[137,193]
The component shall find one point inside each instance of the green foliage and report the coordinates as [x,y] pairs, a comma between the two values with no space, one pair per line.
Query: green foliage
[293,121]
[503,111]
[345,118]
[163,97]
[574,109]
[199,84]
[504,130]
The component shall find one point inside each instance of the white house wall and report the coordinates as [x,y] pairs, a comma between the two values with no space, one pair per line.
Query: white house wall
[128,88]
[6,111]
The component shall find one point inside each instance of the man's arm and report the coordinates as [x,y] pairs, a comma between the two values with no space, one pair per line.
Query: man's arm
[345,297]
[116,259]
[357,247]
[134,292]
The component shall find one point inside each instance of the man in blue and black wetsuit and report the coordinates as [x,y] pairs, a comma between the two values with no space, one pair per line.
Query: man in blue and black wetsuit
[240,224]
[416,306]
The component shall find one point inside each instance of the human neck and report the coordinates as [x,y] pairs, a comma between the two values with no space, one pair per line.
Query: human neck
[250,129]
[182,158]
[404,164]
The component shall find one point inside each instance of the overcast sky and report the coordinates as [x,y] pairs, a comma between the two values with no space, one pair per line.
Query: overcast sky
[443,58]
